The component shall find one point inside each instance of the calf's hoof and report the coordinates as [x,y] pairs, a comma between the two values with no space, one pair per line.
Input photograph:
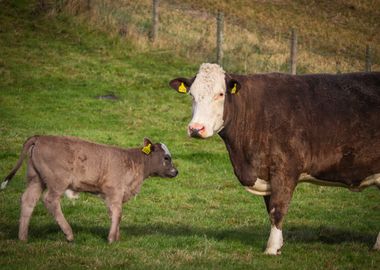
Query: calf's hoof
[70,238]
[111,240]
[377,244]
[23,239]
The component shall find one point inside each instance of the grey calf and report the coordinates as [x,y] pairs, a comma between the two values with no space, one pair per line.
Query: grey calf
[60,163]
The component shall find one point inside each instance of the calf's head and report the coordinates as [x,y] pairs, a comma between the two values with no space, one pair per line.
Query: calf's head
[159,159]
[208,89]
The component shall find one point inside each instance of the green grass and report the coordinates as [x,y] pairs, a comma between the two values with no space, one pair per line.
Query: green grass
[51,70]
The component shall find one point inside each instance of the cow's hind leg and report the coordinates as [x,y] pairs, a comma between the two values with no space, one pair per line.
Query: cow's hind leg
[282,191]
[29,200]
[52,203]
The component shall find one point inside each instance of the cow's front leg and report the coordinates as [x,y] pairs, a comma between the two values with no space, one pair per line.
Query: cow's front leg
[277,206]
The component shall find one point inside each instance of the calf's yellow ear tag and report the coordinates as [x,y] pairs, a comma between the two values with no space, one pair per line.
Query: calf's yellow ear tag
[182,88]
[147,149]
[233,90]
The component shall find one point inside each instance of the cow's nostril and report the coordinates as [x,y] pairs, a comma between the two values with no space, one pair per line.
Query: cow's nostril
[195,130]
[196,126]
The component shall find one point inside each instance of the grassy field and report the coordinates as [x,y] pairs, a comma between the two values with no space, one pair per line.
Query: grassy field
[52,68]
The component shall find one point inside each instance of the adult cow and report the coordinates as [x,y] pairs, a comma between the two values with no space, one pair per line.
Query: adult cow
[282,129]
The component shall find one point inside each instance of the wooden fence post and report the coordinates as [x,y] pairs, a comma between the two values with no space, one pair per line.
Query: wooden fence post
[337,65]
[58,5]
[154,31]
[293,52]
[219,37]
[368,62]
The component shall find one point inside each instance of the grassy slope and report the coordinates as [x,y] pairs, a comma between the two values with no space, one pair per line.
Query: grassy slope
[333,25]
[50,71]
[332,35]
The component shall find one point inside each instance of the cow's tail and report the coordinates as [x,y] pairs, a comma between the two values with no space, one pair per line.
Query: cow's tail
[27,145]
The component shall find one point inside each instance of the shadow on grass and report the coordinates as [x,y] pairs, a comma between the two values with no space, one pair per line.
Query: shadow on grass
[259,235]
[250,236]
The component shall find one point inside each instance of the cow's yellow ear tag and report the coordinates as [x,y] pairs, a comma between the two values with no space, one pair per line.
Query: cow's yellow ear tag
[182,88]
[233,90]
[147,149]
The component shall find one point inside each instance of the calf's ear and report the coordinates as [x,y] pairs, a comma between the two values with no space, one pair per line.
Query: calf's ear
[148,146]
[181,85]
[233,86]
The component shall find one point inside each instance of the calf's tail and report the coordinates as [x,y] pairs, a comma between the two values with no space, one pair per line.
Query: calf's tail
[27,145]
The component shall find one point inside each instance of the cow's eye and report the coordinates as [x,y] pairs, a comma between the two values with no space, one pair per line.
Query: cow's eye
[219,96]
[166,158]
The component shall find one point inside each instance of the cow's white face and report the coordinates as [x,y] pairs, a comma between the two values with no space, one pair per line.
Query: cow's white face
[208,90]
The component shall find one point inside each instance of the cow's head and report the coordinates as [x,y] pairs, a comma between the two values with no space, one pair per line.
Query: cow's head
[208,90]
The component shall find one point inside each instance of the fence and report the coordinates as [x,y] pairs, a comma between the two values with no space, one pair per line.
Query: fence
[225,38]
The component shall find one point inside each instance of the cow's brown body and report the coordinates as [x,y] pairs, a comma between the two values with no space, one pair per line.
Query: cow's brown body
[283,129]
[325,125]
[279,127]
[60,163]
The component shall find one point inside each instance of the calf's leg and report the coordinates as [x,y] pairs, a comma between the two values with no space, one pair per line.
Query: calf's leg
[29,200]
[377,244]
[114,208]
[282,191]
[52,203]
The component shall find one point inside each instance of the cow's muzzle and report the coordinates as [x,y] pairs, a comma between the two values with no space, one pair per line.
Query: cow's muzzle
[196,130]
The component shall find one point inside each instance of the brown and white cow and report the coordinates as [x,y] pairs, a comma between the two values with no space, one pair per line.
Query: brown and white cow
[282,129]
[66,163]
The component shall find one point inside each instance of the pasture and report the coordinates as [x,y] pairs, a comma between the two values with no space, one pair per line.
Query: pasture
[52,70]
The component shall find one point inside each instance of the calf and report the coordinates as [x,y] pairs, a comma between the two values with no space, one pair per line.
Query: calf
[60,163]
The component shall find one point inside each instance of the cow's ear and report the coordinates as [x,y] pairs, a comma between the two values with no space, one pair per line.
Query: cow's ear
[148,146]
[181,85]
[233,86]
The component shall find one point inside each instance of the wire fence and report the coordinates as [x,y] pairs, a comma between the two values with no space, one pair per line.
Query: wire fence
[239,44]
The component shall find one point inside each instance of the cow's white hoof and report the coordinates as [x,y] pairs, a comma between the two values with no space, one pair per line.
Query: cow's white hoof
[272,251]
[275,242]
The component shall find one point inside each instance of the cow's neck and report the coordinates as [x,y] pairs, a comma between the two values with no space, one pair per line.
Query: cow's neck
[243,169]
[241,135]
